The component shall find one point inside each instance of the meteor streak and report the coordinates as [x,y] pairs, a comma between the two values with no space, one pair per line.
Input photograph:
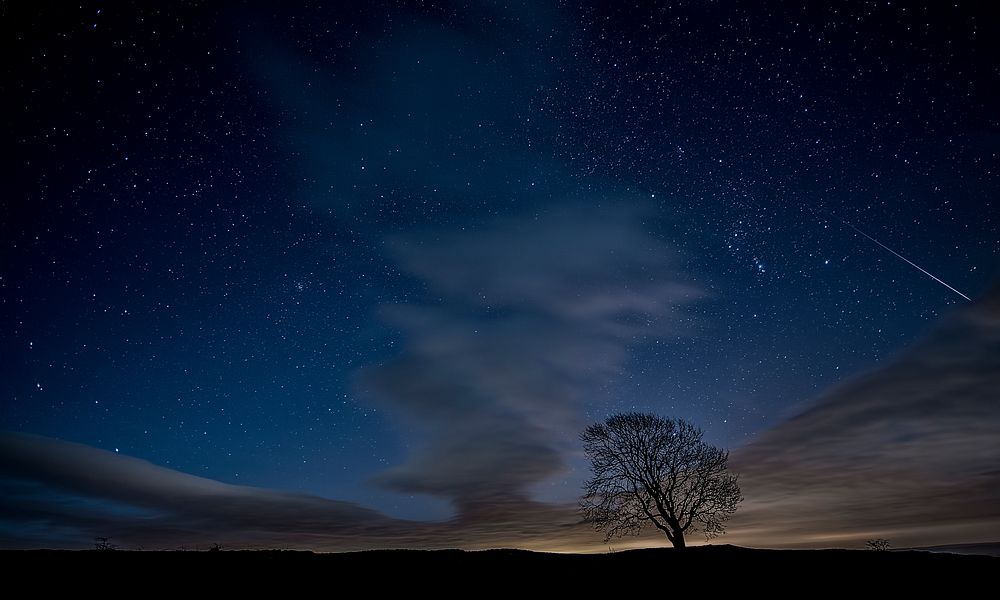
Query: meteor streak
[910,262]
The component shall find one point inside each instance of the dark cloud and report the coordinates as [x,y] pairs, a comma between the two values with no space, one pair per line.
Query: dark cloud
[535,313]
[49,481]
[909,452]
[62,494]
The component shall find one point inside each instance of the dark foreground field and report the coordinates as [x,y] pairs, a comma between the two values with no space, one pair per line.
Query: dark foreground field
[470,574]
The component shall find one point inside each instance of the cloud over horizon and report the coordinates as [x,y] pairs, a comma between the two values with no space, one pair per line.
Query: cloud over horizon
[909,451]
[534,314]
[66,487]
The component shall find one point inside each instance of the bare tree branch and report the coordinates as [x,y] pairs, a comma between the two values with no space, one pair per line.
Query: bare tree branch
[649,469]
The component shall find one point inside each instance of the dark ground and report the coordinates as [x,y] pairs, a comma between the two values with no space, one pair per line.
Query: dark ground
[473,574]
[985,548]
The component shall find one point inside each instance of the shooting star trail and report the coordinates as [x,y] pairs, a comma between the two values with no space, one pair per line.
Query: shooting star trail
[910,262]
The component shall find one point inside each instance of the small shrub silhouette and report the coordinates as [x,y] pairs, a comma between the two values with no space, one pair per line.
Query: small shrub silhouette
[878,545]
[104,544]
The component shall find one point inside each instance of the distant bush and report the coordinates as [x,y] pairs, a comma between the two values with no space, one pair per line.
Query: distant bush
[104,543]
[878,545]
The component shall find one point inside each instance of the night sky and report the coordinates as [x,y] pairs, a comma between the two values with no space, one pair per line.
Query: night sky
[397,254]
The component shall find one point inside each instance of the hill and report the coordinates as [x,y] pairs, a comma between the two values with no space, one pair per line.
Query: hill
[453,571]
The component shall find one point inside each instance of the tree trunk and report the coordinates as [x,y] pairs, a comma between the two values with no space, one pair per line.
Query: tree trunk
[678,540]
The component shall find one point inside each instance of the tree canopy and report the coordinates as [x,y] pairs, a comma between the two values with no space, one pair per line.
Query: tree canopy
[651,470]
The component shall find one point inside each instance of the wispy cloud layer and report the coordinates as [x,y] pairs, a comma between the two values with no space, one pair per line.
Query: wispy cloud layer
[534,314]
[52,486]
[909,451]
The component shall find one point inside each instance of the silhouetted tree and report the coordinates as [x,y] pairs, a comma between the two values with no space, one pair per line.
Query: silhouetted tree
[878,545]
[649,470]
[104,543]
